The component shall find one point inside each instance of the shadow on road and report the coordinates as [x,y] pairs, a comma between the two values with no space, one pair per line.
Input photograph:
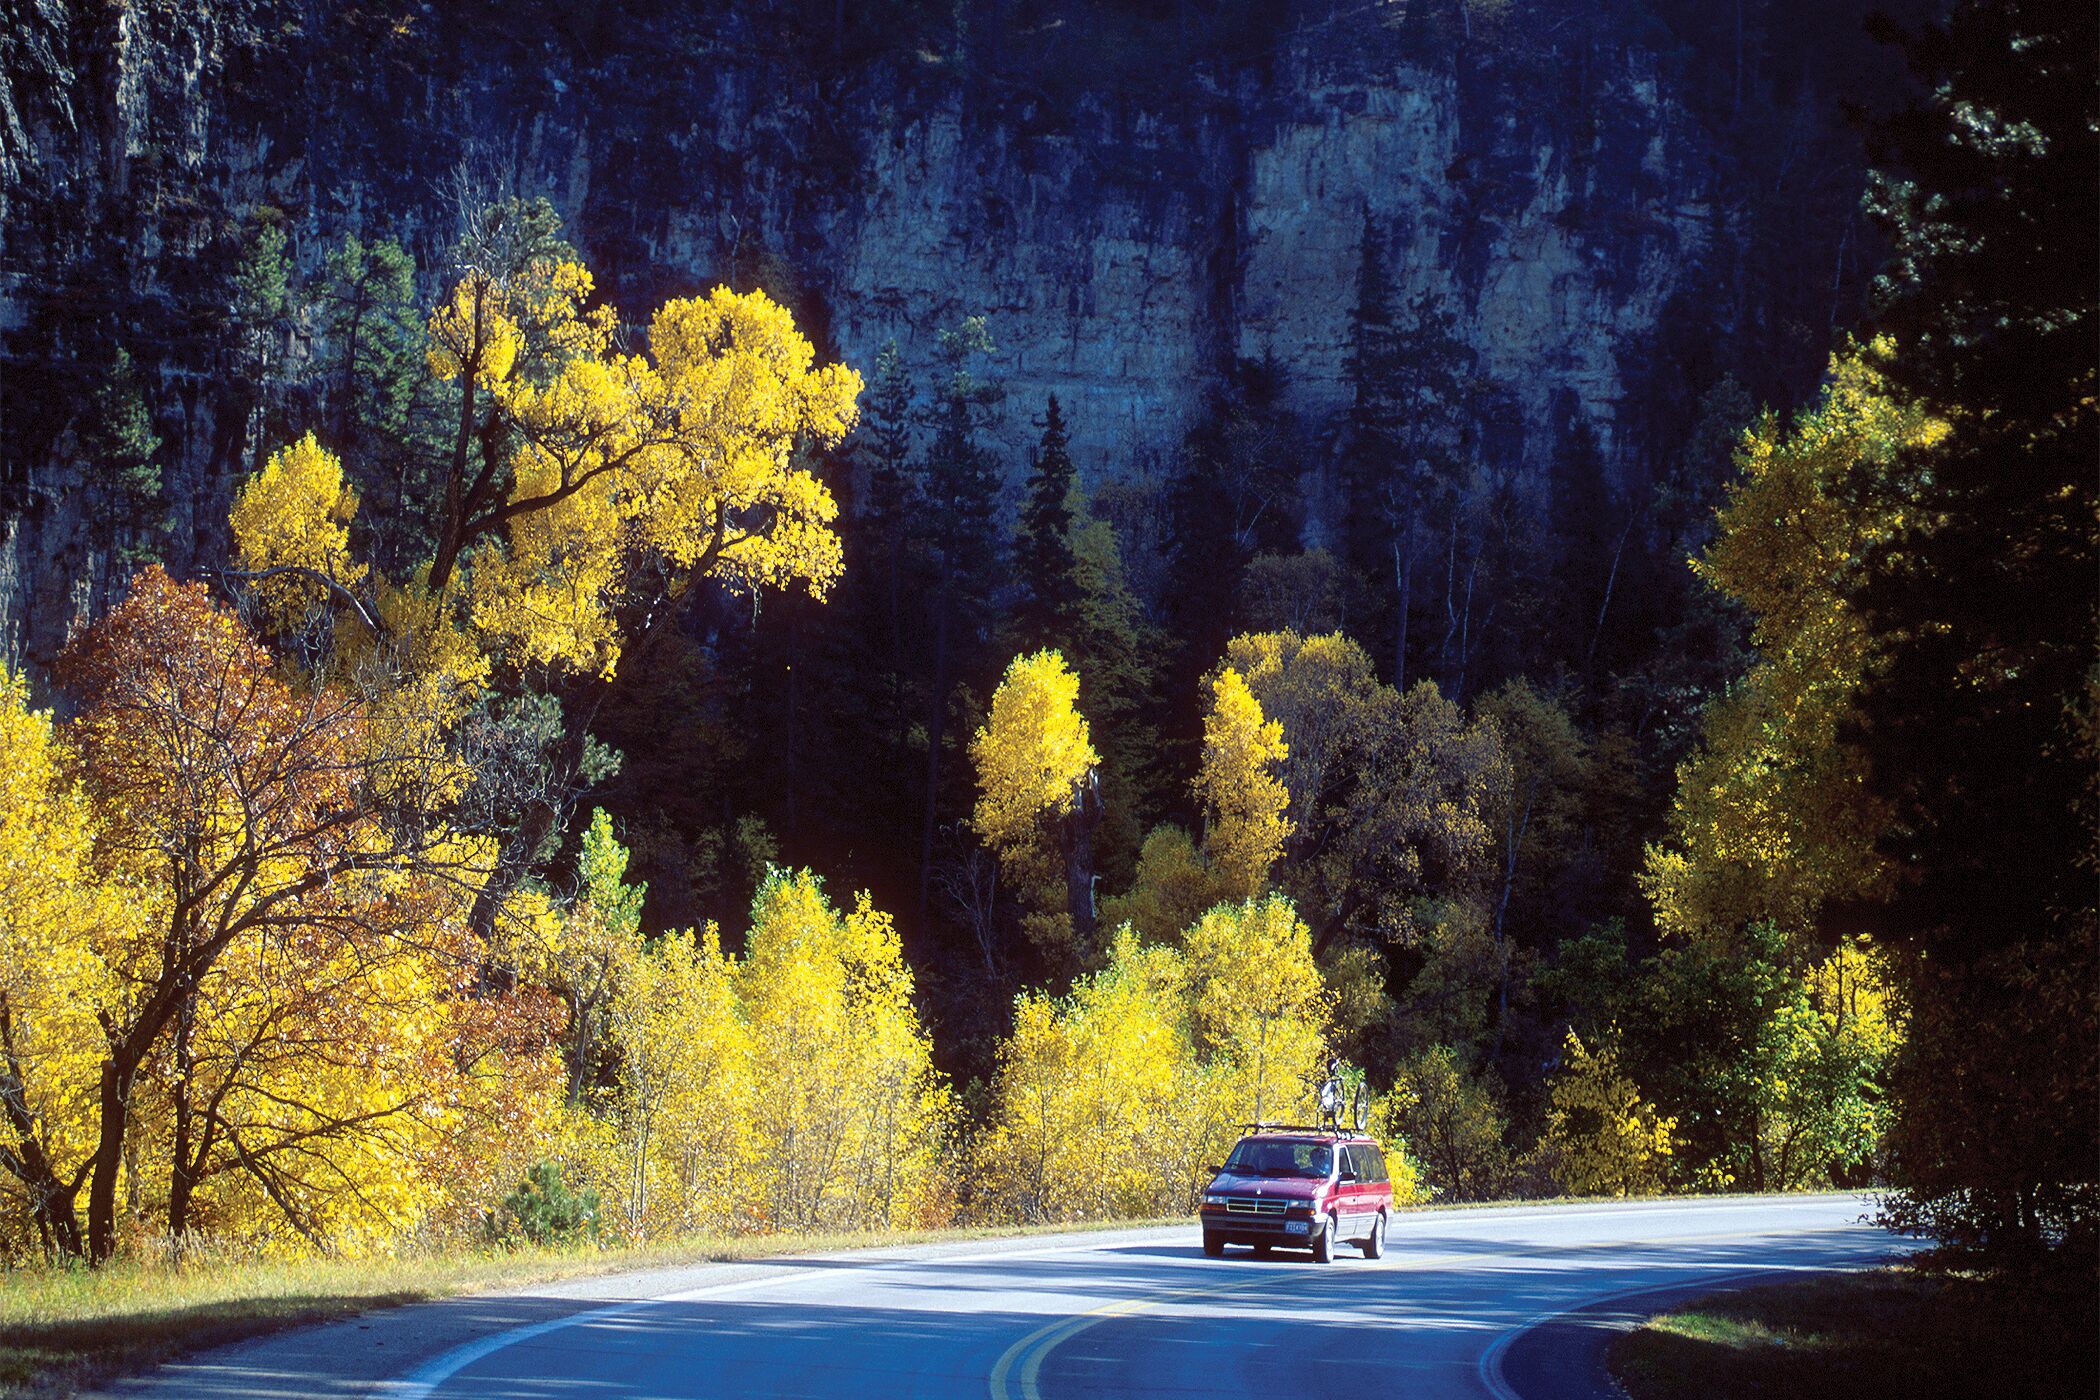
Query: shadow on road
[1150,1317]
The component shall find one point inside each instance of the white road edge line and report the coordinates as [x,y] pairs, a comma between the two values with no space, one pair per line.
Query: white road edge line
[423,1382]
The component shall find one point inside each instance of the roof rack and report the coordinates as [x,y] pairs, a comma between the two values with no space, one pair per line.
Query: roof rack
[1337,1130]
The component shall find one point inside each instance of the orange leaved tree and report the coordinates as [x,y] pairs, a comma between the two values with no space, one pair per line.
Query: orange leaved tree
[238,807]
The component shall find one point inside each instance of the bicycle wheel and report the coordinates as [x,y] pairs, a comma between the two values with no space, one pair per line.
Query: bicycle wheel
[1360,1107]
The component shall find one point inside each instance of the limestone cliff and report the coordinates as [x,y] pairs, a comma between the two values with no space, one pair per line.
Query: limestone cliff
[1125,248]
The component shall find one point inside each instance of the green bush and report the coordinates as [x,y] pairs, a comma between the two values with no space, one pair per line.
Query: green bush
[545,1211]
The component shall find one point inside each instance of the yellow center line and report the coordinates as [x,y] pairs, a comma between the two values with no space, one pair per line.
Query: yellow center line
[1032,1350]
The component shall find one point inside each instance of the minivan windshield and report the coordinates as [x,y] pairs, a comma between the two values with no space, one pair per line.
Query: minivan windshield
[1274,1158]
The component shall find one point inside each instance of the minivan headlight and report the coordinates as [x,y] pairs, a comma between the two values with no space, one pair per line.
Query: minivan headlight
[1214,1198]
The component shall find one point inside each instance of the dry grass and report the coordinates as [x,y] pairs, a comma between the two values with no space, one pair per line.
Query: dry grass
[63,1329]
[1899,1333]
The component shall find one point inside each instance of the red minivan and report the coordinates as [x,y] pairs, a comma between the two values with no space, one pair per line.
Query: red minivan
[1299,1188]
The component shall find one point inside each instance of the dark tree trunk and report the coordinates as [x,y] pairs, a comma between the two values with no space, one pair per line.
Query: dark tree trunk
[118,1073]
[936,725]
[50,1199]
[182,1181]
[1079,826]
[449,541]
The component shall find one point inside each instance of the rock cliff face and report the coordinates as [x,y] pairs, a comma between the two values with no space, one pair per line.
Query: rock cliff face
[1124,250]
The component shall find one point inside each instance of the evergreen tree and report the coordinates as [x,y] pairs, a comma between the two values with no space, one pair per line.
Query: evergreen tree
[1695,633]
[894,530]
[1590,532]
[1979,723]
[1044,561]
[1376,429]
[380,397]
[886,431]
[1402,458]
[1234,495]
[960,489]
[116,438]
[1992,304]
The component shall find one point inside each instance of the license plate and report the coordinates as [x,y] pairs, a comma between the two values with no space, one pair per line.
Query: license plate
[1297,1227]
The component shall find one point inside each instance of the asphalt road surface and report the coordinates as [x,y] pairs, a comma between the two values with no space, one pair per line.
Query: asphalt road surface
[1509,1302]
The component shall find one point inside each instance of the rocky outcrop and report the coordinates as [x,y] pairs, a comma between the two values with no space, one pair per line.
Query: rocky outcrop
[1125,251]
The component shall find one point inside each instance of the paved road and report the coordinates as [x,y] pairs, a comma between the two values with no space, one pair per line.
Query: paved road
[1455,1309]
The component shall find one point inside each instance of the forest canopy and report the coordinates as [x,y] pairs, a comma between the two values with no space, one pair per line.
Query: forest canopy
[632,775]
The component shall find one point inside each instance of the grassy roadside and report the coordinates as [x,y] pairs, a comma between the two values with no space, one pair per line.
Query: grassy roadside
[1906,1332]
[63,1330]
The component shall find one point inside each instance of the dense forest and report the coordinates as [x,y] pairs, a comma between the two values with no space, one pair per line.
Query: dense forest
[623,765]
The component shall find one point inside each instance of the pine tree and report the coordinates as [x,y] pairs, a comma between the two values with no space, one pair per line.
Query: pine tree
[1234,495]
[1992,304]
[960,490]
[1590,534]
[886,429]
[1372,444]
[1979,723]
[895,529]
[1044,560]
[116,436]
[383,413]
[1401,458]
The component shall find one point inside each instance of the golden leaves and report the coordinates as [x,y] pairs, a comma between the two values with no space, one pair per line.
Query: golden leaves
[1602,1138]
[1115,1099]
[628,468]
[1031,752]
[587,479]
[294,515]
[1773,815]
[1243,797]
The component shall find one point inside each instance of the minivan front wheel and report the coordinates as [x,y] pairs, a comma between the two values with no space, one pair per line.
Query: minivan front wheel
[1323,1244]
[1213,1244]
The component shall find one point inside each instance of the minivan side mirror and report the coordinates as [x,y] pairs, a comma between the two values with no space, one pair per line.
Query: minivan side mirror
[1346,1175]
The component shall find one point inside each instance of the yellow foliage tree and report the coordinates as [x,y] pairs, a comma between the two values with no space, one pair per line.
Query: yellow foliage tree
[847,1116]
[1259,1004]
[1037,794]
[1826,1108]
[1243,798]
[1116,1099]
[1602,1138]
[56,925]
[1084,1085]
[791,1089]
[1773,815]
[684,1087]
[586,486]
[234,1001]
[1031,752]
[292,523]
[599,475]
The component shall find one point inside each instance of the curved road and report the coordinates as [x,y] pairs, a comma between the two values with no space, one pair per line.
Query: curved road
[1508,1302]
